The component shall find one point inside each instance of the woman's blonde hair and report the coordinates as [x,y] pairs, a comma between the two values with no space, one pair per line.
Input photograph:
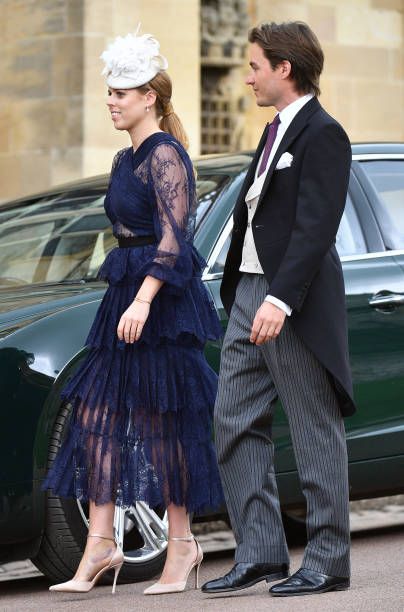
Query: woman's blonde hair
[169,120]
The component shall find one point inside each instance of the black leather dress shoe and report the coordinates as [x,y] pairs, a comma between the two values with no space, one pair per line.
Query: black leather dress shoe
[307,582]
[244,575]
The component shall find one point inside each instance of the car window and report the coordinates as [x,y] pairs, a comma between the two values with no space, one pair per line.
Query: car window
[66,235]
[65,239]
[387,178]
[350,239]
[208,187]
[218,264]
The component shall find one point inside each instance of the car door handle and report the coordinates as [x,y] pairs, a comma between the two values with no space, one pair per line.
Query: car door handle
[387,300]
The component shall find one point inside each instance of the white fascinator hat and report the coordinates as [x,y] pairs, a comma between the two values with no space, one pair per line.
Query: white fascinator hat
[132,61]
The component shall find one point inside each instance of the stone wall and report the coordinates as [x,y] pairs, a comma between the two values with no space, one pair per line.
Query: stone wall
[54,125]
[41,94]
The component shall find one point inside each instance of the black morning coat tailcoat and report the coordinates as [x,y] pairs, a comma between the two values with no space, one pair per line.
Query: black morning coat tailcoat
[294,229]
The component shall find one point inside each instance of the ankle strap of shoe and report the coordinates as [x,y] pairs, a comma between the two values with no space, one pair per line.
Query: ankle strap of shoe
[97,535]
[189,538]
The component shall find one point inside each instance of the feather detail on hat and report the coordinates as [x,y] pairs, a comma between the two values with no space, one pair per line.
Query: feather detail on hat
[132,61]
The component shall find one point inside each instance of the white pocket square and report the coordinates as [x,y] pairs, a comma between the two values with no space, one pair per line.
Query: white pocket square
[285,161]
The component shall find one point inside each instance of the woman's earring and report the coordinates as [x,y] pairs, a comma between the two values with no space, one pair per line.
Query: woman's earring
[147,109]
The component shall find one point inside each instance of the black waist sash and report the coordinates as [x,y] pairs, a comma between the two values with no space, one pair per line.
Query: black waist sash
[124,242]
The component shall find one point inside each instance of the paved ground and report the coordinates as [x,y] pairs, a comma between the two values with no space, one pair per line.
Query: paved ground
[365,514]
[377,583]
[377,586]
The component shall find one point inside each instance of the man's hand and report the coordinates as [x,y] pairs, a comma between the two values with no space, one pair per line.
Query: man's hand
[267,323]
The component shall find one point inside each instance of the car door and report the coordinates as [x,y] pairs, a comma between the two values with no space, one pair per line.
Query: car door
[375,301]
[351,245]
[369,270]
[350,240]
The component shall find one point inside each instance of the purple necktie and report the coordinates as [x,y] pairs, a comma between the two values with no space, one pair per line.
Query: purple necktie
[272,130]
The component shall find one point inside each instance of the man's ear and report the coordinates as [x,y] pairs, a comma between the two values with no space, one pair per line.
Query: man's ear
[285,68]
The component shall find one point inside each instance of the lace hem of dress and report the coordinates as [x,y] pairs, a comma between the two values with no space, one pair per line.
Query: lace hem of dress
[136,479]
[140,430]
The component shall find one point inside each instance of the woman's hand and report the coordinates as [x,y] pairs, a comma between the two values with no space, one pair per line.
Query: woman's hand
[132,322]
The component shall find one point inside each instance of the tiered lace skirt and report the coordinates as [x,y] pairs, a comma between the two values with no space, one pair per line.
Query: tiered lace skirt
[141,418]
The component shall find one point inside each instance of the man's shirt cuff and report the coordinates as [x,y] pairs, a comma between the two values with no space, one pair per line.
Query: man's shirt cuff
[273,300]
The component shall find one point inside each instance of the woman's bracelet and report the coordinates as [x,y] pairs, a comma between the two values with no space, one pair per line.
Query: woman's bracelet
[140,300]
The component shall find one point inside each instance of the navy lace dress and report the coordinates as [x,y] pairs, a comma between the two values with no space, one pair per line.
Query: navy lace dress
[141,420]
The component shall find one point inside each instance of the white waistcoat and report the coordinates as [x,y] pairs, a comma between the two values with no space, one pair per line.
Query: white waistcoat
[249,260]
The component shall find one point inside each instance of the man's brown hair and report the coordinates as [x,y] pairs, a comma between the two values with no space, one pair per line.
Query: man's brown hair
[295,42]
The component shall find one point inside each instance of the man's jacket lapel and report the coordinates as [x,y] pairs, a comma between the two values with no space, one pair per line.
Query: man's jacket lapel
[295,128]
[240,204]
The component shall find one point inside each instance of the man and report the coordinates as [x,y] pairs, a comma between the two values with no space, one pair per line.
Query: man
[287,337]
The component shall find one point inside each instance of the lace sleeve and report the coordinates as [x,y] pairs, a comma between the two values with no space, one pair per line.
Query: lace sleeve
[107,201]
[173,189]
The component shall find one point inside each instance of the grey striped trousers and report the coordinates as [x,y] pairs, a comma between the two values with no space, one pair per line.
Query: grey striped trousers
[251,379]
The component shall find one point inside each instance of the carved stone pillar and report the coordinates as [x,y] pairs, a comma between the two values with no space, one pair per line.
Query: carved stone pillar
[224,25]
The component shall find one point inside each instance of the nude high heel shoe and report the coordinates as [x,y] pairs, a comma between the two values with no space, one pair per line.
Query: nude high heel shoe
[83,586]
[176,587]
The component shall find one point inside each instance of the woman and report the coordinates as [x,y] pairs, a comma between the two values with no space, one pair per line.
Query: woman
[142,401]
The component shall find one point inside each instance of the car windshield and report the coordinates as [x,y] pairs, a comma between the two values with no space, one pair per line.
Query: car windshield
[66,236]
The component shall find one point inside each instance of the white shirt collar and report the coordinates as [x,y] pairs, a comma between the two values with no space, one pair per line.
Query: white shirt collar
[289,112]
[286,117]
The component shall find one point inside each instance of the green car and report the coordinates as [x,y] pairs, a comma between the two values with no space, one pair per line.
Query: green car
[51,246]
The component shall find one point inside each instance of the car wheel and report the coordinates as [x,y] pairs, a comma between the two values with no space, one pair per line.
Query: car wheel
[141,531]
